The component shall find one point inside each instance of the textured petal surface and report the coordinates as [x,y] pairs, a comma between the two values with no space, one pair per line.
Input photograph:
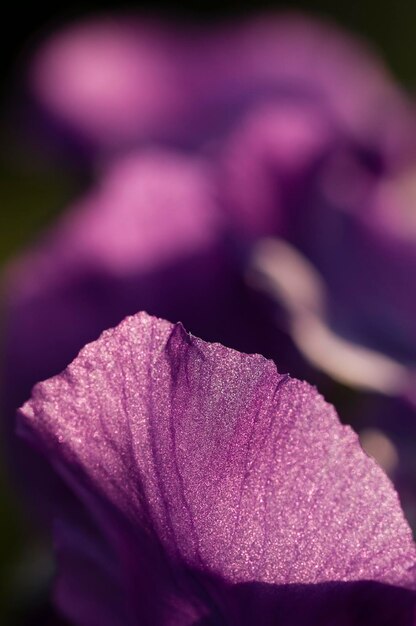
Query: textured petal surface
[205,468]
[148,236]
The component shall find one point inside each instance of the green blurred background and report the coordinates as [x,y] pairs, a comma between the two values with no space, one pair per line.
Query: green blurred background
[33,191]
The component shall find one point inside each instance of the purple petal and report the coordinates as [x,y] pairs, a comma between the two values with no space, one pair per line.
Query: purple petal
[117,82]
[145,237]
[204,468]
[148,236]
[112,80]
[87,562]
[343,271]
[343,206]
[268,161]
[380,230]
[290,58]
[345,227]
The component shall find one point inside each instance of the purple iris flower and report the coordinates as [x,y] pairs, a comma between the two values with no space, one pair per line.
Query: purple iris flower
[336,214]
[305,129]
[193,484]
[308,134]
[206,488]
[303,142]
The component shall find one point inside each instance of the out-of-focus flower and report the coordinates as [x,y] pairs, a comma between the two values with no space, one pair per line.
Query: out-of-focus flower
[307,142]
[337,212]
[317,128]
[169,453]
[317,125]
[113,82]
[348,223]
[210,489]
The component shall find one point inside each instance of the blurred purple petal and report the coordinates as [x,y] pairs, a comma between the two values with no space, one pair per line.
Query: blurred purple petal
[340,205]
[203,468]
[338,257]
[295,59]
[113,79]
[128,243]
[116,81]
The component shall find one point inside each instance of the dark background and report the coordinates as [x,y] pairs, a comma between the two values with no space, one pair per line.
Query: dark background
[31,192]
